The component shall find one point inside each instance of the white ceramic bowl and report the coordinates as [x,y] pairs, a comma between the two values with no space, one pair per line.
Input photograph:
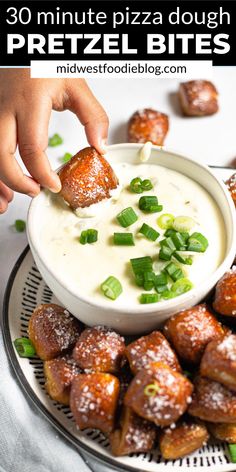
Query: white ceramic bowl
[143,317]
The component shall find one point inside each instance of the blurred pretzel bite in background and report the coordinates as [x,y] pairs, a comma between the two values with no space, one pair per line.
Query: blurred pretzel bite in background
[148,125]
[133,435]
[93,401]
[213,402]
[219,361]
[198,98]
[231,185]
[223,431]
[53,330]
[86,179]
[225,294]
[191,330]
[159,394]
[185,438]
[59,374]
[99,349]
[151,348]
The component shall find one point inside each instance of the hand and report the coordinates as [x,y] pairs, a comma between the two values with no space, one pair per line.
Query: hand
[25,108]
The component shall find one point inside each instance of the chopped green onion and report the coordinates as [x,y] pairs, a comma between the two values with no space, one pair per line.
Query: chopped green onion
[178,241]
[148,280]
[161,288]
[111,288]
[183,223]
[20,226]
[123,239]
[149,232]
[183,260]
[24,347]
[55,140]
[160,279]
[141,265]
[88,236]
[168,294]
[169,232]
[149,204]
[174,271]
[197,243]
[181,286]
[168,242]
[232,451]
[139,278]
[151,389]
[149,298]
[147,185]
[165,221]
[66,158]
[127,217]
[165,253]
[136,185]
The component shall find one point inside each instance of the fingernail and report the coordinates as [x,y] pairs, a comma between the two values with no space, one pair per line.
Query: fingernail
[56,187]
[2,205]
[104,146]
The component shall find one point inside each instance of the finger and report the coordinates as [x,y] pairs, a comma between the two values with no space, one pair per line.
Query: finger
[10,172]
[3,204]
[33,141]
[90,113]
[6,192]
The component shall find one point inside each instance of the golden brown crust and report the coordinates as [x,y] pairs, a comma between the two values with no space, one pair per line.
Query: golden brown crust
[223,431]
[198,98]
[231,185]
[151,348]
[191,330]
[93,401]
[148,125]
[134,435]
[213,402]
[86,179]
[53,331]
[219,361]
[59,374]
[225,294]
[167,402]
[182,440]
[99,349]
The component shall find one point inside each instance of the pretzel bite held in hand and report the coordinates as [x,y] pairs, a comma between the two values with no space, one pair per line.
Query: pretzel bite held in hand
[223,431]
[231,185]
[225,294]
[59,374]
[93,401]
[182,440]
[191,330]
[213,402]
[159,394]
[99,349]
[148,125]
[151,348]
[53,330]
[219,361]
[134,434]
[198,98]
[86,179]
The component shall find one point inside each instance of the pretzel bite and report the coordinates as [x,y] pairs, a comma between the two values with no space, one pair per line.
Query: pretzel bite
[219,361]
[225,294]
[213,402]
[198,98]
[182,440]
[53,330]
[93,400]
[86,179]
[159,394]
[191,330]
[151,348]
[223,431]
[99,349]
[59,374]
[231,185]
[134,435]
[148,125]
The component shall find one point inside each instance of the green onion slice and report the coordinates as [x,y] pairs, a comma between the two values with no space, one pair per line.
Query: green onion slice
[141,265]
[165,253]
[148,280]
[232,451]
[181,286]
[55,140]
[123,239]
[160,279]
[149,298]
[66,158]
[183,260]
[111,288]
[174,271]
[147,185]
[24,347]
[197,243]
[151,389]
[168,242]
[136,185]
[88,236]
[149,232]
[165,221]
[20,226]
[183,223]
[127,217]
[149,204]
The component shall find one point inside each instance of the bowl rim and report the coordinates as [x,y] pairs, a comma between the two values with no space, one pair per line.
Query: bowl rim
[140,309]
